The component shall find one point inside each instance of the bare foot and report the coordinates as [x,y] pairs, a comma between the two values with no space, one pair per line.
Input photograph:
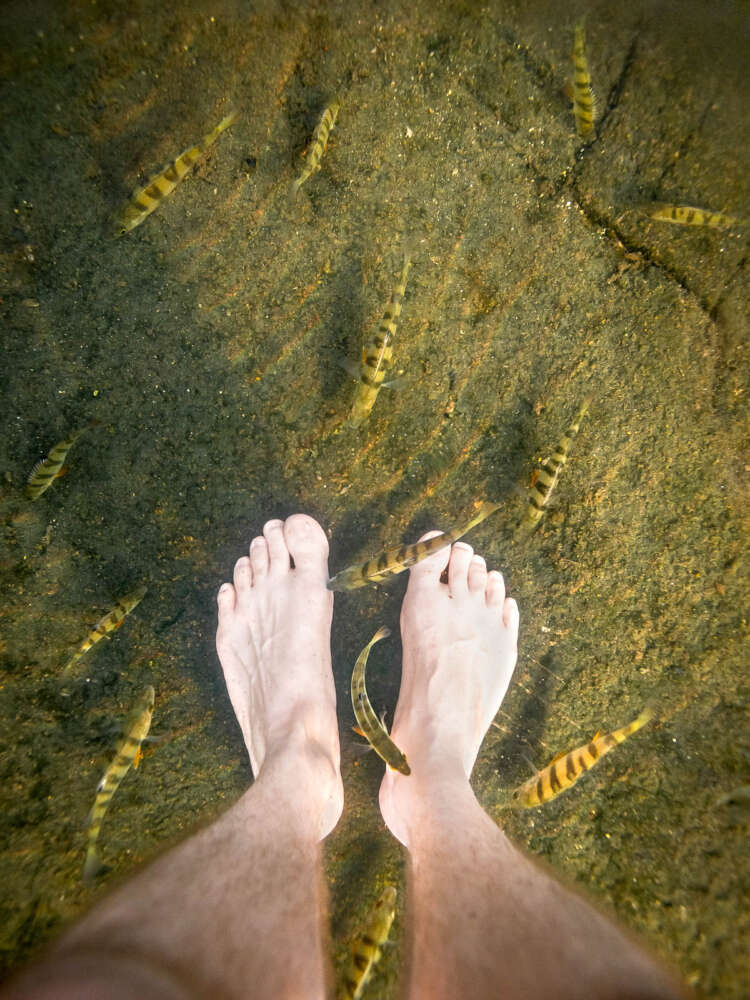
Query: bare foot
[274,640]
[459,642]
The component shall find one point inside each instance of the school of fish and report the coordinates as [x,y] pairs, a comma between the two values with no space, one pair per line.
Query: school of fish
[372,374]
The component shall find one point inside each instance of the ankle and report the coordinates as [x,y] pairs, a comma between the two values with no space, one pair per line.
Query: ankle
[429,796]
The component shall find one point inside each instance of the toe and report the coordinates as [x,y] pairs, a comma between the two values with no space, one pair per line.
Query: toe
[510,615]
[243,576]
[278,553]
[226,601]
[433,566]
[458,569]
[307,544]
[477,575]
[495,593]
[259,557]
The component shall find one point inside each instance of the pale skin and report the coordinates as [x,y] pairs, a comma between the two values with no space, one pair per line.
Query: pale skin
[238,910]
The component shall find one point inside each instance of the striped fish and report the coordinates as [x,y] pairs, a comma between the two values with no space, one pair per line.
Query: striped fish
[148,198]
[318,145]
[370,726]
[48,469]
[367,946]
[111,621]
[584,102]
[687,215]
[128,753]
[377,354]
[396,560]
[548,474]
[565,769]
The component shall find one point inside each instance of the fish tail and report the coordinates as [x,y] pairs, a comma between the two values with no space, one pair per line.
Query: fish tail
[382,633]
[93,865]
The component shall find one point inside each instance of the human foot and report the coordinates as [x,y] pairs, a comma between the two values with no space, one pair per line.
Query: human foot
[273,642]
[459,642]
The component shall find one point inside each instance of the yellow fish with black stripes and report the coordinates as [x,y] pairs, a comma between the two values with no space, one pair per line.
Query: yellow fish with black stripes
[584,102]
[377,354]
[369,725]
[318,145]
[128,754]
[688,215]
[565,769]
[111,621]
[48,469]
[546,477]
[367,947]
[396,560]
[148,198]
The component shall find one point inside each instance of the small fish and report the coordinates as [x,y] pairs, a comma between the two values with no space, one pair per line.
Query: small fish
[370,726]
[377,354]
[48,469]
[396,560]
[112,620]
[318,145]
[367,946]
[687,215]
[128,753]
[149,197]
[548,474]
[565,769]
[584,102]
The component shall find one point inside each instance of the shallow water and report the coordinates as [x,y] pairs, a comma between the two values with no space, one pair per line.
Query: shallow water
[207,342]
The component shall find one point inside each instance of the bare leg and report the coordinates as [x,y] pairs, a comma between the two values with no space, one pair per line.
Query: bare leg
[486,921]
[237,910]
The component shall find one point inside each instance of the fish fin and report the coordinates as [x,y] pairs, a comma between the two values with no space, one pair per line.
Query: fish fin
[157,739]
[358,731]
[596,735]
[569,91]
[351,367]
[138,757]
[63,472]
[559,756]
[397,383]
[528,760]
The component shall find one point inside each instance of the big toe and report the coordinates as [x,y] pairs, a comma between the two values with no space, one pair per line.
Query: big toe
[432,567]
[307,544]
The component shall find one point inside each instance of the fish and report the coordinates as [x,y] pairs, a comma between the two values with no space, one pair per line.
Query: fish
[318,145]
[548,474]
[377,354]
[148,198]
[112,620]
[50,468]
[584,102]
[367,947]
[565,769]
[396,560]
[688,215]
[370,726]
[128,754]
